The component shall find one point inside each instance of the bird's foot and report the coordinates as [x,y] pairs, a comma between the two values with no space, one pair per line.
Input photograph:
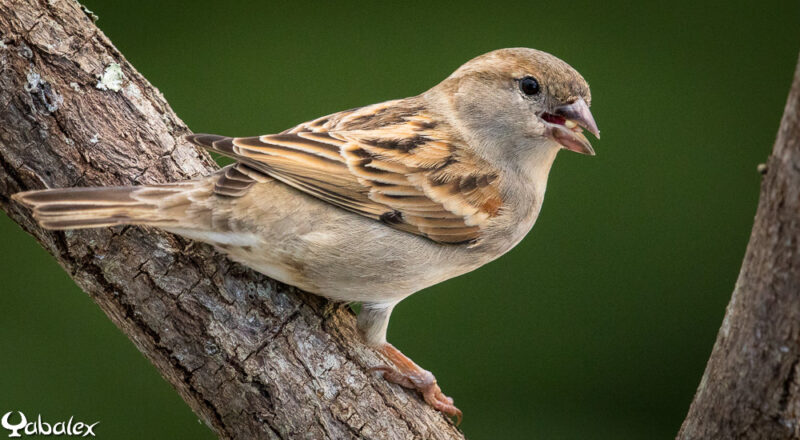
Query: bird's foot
[410,375]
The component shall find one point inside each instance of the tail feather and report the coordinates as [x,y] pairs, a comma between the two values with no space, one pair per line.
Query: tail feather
[73,208]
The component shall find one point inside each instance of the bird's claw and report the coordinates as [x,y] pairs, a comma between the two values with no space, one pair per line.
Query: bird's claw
[424,382]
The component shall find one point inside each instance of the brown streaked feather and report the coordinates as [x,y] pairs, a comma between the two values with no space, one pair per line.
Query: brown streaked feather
[235,180]
[390,162]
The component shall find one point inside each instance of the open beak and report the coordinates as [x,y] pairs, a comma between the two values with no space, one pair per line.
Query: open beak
[566,124]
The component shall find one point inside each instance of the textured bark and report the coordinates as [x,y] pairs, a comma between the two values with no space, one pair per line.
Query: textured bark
[252,357]
[750,387]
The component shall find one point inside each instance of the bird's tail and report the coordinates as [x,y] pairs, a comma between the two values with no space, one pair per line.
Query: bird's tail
[157,205]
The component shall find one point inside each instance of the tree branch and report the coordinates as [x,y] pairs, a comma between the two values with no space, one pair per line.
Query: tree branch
[750,387]
[252,357]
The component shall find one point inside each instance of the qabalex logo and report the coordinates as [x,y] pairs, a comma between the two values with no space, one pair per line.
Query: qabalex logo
[39,427]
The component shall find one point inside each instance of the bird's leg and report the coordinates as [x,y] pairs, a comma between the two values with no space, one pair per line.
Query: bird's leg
[410,375]
[373,321]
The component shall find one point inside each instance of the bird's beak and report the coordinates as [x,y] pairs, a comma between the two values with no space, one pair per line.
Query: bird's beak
[566,125]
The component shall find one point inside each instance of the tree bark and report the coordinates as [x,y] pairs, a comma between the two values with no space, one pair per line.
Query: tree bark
[750,387]
[252,357]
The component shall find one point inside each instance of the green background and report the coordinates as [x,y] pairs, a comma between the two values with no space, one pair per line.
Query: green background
[597,325]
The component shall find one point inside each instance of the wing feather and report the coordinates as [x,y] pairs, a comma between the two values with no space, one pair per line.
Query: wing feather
[390,162]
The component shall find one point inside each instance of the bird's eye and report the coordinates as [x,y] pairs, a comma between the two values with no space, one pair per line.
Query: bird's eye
[529,86]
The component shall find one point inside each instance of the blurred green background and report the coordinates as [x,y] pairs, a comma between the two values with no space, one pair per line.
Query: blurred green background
[597,325]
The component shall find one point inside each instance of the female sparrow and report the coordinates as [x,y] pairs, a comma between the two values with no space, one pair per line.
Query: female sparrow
[375,203]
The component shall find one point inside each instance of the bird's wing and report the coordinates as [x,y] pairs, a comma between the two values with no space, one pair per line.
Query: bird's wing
[236,179]
[389,162]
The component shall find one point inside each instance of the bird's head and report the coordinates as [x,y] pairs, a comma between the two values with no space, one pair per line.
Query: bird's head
[521,99]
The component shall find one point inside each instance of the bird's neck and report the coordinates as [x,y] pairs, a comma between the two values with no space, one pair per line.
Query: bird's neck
[522,189]
[527,181]
[534,164]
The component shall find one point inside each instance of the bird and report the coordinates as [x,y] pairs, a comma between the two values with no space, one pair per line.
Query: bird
[372,204]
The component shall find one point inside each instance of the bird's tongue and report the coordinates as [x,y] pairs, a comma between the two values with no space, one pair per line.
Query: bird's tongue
[554,119]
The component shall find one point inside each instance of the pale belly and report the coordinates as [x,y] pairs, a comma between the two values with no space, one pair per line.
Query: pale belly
[327,251]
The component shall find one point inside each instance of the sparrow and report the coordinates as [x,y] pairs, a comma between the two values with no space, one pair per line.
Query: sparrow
[375,203]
